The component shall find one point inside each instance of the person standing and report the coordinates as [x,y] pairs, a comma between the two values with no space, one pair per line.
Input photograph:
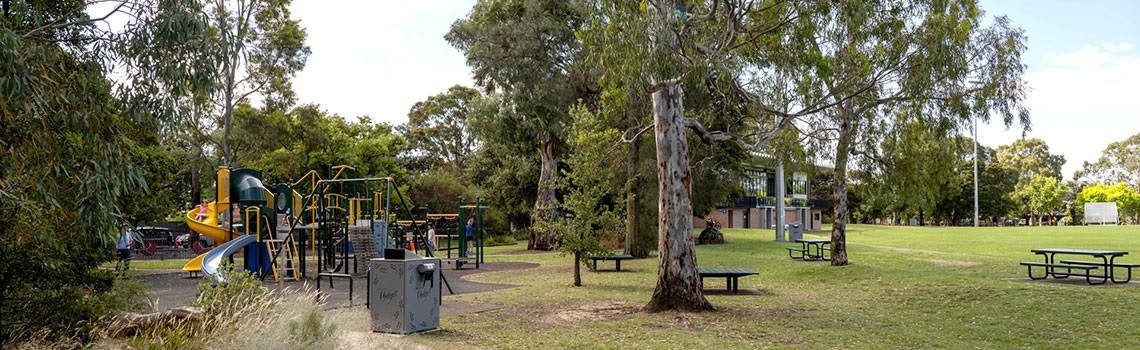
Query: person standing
[431,237]
[123,246]
[470,236]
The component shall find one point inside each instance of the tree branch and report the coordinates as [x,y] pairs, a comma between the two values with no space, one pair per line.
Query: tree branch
[662,85]
[635,136]
[708,137]
[68,24]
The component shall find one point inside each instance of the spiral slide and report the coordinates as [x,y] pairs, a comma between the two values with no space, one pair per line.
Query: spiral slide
[209,226]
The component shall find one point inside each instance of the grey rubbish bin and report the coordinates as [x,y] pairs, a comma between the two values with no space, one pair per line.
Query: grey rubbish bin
[404,294]
[795,231]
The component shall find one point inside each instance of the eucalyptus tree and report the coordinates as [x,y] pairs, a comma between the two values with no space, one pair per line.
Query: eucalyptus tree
[805,70]
[259,49]
[996,184]
[1119,162]
[1029,157]
[68,140]
[438,128]
[526,52]
[917,167]
[888,64]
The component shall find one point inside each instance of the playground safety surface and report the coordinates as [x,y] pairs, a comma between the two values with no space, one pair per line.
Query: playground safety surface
[175,288]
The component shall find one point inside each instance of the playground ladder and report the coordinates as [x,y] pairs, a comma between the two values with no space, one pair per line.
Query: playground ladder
[291,258]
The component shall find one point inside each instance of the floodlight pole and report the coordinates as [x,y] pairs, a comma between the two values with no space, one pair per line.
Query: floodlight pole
[975,171]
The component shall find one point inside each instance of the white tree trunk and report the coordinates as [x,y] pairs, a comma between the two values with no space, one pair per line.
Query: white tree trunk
[678,285]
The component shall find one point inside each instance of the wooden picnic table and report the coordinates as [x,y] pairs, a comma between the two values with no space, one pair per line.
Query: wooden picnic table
[1065,268]
[810,249]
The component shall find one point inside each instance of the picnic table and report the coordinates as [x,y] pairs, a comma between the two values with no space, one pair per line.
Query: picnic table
[810,249]
[732,276]
[616,258]
[1065,268]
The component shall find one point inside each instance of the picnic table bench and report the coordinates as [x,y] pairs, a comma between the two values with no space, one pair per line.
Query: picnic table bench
[732,276]
[616,258]
[1065,268]
[810,249]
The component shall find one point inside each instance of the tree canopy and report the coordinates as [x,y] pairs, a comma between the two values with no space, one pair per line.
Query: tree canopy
[76,144]
[527,51]
[1120,162]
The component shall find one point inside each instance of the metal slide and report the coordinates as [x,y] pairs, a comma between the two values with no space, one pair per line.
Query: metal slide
[213,258]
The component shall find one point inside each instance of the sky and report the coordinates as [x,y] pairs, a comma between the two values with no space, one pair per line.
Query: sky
[378,58]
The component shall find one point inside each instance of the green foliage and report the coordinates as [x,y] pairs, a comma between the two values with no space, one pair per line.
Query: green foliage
[1120,162]
[1127,199]
[508,179]
[438,131]
[240,291]
[311,331]
[917,170]
[289,145]
[527,54]
[77,146]
[1029,157]
[259,48]
[1044,194]
[996,185]
[588,185]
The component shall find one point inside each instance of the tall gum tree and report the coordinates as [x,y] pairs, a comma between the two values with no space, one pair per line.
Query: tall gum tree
[888,64]
[679,44]
[260,48]
[769,55]
[526,52]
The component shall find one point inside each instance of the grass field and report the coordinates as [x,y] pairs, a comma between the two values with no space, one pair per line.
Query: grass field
[905,288]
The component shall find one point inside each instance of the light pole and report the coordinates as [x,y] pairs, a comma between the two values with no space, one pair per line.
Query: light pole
[975,171]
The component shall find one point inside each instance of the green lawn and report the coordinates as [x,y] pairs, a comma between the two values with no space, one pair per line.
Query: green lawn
[905,288]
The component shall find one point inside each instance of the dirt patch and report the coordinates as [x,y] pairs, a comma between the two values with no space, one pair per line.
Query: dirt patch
[593,311]
[451,307]
[954,262]
[676,320]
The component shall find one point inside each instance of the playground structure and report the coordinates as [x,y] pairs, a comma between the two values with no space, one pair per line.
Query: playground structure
[291,235]
[452,229]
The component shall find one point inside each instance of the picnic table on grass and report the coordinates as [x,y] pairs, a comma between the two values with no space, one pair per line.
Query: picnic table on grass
[1088,269]
[731,275]
[810,249]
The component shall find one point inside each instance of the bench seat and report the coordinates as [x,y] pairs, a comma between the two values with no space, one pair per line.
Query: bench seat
[1050,270]
[1111,274]
[792,250]
[616,259]
[732,276]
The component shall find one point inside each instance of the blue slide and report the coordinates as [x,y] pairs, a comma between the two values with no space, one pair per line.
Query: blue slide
[213,258]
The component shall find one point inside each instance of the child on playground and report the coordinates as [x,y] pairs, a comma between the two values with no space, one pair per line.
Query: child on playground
[431,236]
[470,235]
[203,211]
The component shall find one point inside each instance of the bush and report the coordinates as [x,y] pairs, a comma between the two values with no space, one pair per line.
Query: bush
[64,313]
[503,239]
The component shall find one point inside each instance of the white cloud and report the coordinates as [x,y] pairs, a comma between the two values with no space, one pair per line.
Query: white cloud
[1081,101]
[378,58]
